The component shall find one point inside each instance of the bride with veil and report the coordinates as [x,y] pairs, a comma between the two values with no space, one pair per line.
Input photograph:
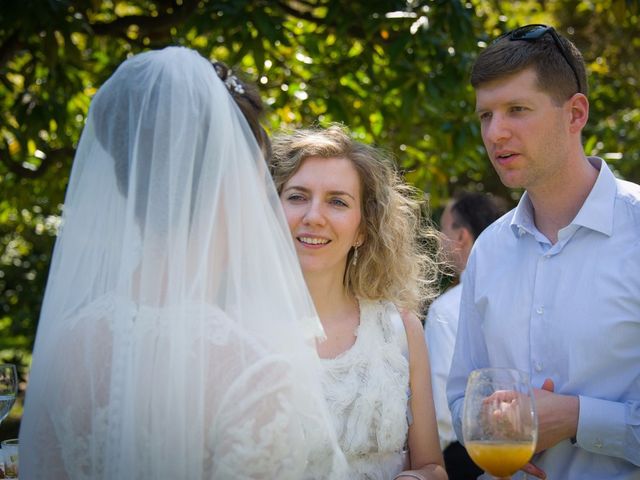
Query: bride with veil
[176,338]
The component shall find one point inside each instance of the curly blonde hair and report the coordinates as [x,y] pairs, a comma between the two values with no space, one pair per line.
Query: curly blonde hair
[397,260]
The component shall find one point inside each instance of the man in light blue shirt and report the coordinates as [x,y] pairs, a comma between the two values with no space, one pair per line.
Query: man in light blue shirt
[553,287]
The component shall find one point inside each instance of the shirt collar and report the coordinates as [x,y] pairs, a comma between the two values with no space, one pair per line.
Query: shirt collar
[596,212]
[522,221]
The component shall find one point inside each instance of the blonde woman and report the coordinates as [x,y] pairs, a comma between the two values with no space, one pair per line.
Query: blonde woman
[356,229]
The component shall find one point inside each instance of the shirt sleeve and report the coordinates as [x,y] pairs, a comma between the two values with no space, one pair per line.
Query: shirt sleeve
[470,350]
[610,428]
[440,335]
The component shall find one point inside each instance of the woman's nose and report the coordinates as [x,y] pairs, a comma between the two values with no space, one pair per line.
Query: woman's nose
[315,213]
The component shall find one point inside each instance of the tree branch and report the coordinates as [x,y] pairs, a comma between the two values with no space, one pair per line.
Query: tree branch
[147,24]
[302,15]
[10,47]
[22,172]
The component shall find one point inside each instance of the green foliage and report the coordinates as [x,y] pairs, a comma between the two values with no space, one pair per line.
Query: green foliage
[394,71]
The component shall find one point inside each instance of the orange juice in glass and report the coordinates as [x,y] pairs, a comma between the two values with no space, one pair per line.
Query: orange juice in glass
[500,459]
[499,422]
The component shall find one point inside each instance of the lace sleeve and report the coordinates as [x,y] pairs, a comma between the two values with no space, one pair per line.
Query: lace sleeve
[259,435]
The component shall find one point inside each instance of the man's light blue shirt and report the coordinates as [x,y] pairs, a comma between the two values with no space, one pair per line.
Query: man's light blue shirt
[569,312]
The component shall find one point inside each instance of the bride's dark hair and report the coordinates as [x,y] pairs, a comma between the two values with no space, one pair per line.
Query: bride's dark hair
[250,103]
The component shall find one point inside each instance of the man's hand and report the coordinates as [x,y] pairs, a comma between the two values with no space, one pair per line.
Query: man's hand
[557,420]
[534,471]
[557,415]
[502,416]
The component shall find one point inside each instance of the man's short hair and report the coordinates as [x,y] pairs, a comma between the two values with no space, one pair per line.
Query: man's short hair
[506,57]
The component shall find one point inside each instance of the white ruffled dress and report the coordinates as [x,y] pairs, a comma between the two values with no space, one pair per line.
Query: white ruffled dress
[366,388]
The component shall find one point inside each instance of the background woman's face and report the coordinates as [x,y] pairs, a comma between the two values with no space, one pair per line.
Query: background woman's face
[322,202]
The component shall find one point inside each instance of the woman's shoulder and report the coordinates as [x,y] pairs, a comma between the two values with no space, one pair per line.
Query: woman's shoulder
[412,323]
[406,325]
[393,314]
[98,309]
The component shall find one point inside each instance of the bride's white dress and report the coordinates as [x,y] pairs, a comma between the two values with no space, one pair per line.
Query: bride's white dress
[247,427]
[366,388]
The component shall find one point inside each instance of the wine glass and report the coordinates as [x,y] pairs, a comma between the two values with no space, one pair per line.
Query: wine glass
[499,422]
[8,389]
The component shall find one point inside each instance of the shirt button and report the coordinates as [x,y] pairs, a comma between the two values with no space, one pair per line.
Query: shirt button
[538,366]
[540,310]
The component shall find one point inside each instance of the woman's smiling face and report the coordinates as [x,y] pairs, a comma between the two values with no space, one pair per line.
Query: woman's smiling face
[322,202]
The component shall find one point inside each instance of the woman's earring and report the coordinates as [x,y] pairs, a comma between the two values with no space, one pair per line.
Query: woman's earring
[354,261]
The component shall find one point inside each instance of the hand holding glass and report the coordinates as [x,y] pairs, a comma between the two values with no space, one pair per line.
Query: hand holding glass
[8,389]
[499,423]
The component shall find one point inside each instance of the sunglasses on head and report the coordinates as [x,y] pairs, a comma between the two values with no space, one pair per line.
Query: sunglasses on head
[533,32]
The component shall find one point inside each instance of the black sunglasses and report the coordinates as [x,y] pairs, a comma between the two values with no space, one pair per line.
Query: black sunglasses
[533,32]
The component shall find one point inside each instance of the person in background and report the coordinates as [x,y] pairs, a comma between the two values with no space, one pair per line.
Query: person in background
[176,338]
[356,229]
[463,219]
[553,287]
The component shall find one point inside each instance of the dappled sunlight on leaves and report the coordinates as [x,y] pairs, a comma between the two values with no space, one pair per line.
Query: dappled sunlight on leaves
[395,72]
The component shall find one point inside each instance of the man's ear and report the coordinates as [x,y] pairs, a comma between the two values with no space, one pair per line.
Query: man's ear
[579,112]
[465,238]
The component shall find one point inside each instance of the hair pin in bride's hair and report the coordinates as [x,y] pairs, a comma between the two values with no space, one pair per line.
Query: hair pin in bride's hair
[233,83]
[229,79]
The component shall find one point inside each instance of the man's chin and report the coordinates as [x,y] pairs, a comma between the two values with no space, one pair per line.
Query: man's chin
[510,180]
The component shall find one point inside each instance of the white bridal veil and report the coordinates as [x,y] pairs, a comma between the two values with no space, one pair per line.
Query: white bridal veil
[176,338]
